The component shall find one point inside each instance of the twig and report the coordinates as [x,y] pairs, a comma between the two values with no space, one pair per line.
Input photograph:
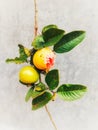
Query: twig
[35,32]
[35,19]
[50,117]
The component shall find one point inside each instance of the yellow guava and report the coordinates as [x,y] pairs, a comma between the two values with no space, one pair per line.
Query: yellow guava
[28,75]
[44,58]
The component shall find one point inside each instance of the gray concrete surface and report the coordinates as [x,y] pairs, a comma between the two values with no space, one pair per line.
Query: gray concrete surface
[78,66]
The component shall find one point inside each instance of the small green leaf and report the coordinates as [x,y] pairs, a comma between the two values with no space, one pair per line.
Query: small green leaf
[29,94]
[48,27]
[40,87]
[35,92]
[69,41]
[41,100]
[22,56]
[70,92]
[38,42]
[16,60]
[52,36]
[52,79]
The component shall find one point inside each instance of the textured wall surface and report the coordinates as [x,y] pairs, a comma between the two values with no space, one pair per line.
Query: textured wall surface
[78,66]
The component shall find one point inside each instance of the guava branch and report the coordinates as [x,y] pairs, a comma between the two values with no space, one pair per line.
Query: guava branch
[35,33]
[50,117]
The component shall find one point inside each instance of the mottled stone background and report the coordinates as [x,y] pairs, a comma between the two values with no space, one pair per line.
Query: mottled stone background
[78,66]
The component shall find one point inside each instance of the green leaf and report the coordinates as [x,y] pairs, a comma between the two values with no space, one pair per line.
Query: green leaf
[29,94]
[36,91]
[69,41]
[38,42]
[22,56]
[70,92]
[41,100]
[48,27]
[36,94]
[52,79]
[52,36]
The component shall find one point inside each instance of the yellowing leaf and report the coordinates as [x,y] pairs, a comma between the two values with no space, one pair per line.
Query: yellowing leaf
[22,56]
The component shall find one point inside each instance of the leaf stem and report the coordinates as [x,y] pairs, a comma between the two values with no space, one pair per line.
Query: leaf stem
[49,114]
[39,77]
